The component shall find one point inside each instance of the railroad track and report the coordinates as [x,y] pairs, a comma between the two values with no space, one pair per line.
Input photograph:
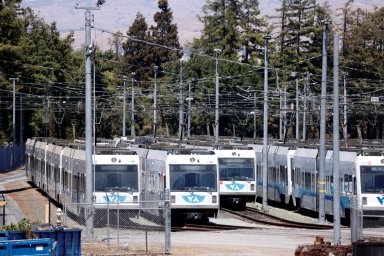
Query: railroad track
[257,216]
[207,227]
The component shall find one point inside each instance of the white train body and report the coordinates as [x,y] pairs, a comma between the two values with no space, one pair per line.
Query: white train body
[370,184]
[237,176]
[59,170]
[192,180]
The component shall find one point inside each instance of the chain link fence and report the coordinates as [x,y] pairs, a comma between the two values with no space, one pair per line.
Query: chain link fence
[367,224]
[122,229]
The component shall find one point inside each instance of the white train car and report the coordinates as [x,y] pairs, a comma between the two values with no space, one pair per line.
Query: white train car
[60,171]
[192,177]
[370,183]
[117,178]
[237,175]
[280,174]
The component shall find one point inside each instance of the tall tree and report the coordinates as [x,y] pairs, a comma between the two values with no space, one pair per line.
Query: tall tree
[252,28]
[296,35]
[220,19]
[164,33]
[137,52]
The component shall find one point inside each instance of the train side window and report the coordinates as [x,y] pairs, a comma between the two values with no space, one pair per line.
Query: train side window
[348,183]
[258,172]
[313,182]
[342,187]
[283,178]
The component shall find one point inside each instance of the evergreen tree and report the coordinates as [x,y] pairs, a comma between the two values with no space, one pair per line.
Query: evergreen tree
[298,26]
[164,33]
[220,19]
[136,51]
[252,29]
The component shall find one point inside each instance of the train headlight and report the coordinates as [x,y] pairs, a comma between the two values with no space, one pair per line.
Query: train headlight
[214,199]
[192,159]
[233,153]
[173,199]
[135,199]
[364,200]
[253,187]
[382,161]
[113,159]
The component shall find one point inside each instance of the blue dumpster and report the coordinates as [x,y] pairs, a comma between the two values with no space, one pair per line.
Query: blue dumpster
[68,240]
[41,247]
[3,235]
[15,235]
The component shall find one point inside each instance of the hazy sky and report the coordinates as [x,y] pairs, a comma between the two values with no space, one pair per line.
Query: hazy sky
[119,14]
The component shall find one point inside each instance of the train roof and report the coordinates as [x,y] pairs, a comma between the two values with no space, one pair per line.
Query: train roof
[189,151]
[114,151]
[232,147]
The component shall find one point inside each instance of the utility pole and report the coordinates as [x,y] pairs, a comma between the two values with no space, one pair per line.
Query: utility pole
[88,122]
[297,109]
[13,120]
[336,145]
[181,102]
[280,106]
[254,115]
[46,112]
[155,102]
[133,106]
[345,130]
[217,51]
[285,111]
[189,109]
[322,124]
[306,84]
[265,130]
[124,103]
[21,121]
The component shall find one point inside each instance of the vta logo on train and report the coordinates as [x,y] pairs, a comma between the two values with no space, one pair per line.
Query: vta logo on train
[381,200]
[114,198]
[193,199]
[235,186]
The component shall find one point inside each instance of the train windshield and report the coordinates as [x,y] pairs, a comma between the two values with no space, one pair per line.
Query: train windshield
[237,169]
[372,179]
[116,178]
[193,177]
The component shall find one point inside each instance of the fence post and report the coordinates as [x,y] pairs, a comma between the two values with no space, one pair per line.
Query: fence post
[167,222]
[355,220]
[108,236]
[3,203]
[118,222]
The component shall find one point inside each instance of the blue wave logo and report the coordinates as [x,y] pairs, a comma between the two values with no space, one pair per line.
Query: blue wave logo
[193,199]
[114,198]
[381,200]
[235,186]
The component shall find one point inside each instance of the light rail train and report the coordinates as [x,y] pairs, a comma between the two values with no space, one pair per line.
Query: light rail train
[201,179]
[59,170]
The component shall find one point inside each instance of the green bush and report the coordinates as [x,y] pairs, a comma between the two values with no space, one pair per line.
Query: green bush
[24,225]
